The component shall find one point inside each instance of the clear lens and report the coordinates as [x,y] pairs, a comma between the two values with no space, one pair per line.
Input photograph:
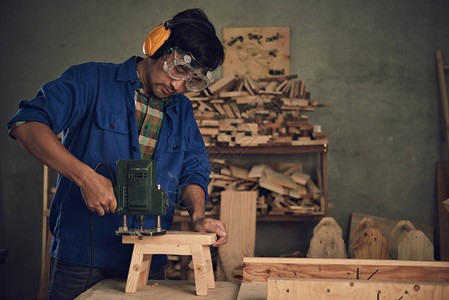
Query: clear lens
[178,67]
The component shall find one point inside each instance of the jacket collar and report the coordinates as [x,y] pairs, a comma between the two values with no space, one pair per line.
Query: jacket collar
[127,70]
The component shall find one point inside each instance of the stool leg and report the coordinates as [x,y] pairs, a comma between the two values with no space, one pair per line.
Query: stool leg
[135,268]
[145,270]
[199,267]
[209,267]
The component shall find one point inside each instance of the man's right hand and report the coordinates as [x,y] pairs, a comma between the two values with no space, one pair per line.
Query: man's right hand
[98,194]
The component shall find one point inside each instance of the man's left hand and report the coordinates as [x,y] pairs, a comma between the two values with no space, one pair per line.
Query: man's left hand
[214,226]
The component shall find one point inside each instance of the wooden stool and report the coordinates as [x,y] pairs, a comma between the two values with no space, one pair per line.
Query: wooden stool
[196,244]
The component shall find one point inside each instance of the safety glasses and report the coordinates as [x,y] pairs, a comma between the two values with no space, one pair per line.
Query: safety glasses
[181,65]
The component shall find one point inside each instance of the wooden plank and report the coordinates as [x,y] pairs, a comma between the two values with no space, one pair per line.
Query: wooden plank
[313,189]
[240,172]
[259,269]
[208,123]
[248,127]
[232,94]
[229,111]
[252,140]
[235,109]
[252,84]
[229,124]
[257,171]
[222,84]
[208,131]
[247,99]
[295,102]
[300,177]
[279,178]
[238,212]
[299,289]
[220,109]
[266,184]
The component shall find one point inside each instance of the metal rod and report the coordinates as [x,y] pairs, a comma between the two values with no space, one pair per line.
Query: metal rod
[125,226]
[158,225]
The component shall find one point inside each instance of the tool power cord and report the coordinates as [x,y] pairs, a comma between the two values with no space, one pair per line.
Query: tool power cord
[111,175]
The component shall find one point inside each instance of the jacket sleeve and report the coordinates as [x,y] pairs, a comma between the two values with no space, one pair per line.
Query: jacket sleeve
[60,103]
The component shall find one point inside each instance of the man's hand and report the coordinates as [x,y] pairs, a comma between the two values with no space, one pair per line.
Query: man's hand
[193,199]
[214,226]
[99,195]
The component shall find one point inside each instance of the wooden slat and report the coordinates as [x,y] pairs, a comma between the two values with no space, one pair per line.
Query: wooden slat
[238,213]
[223,83]
[299,289]
[279,178]
[257,269]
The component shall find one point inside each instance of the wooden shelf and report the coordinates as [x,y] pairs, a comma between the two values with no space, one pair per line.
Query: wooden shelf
[320,147]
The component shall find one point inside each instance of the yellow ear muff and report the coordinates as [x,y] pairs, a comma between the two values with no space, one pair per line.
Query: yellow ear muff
[155,39]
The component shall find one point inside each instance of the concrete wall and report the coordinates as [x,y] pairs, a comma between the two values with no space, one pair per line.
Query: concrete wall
[373,60]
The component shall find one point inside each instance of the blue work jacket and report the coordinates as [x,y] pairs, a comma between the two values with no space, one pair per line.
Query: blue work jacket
[93,106]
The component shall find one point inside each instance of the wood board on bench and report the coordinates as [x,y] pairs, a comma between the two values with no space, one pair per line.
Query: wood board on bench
[259,269]
[298,289]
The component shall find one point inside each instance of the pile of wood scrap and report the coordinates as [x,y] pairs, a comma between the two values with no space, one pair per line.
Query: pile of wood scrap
[246,112]
[283,187]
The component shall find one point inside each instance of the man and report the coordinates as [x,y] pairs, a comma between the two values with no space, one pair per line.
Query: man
[108,112]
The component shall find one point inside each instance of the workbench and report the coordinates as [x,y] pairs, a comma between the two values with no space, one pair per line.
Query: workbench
[114,289]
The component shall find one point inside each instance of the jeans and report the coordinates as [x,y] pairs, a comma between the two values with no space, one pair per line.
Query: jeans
[68,280]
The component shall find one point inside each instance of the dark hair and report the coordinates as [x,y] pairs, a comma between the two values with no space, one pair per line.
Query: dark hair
[196,35]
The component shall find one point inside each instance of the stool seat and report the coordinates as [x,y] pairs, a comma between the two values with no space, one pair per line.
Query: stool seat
[196,244]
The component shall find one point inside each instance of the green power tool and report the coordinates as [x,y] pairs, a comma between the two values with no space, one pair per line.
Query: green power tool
[138,194]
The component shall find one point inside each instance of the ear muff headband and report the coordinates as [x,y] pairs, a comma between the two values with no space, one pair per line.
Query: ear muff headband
[159,35]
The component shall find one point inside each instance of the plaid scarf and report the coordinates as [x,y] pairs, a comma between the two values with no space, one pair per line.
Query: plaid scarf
[149,115]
